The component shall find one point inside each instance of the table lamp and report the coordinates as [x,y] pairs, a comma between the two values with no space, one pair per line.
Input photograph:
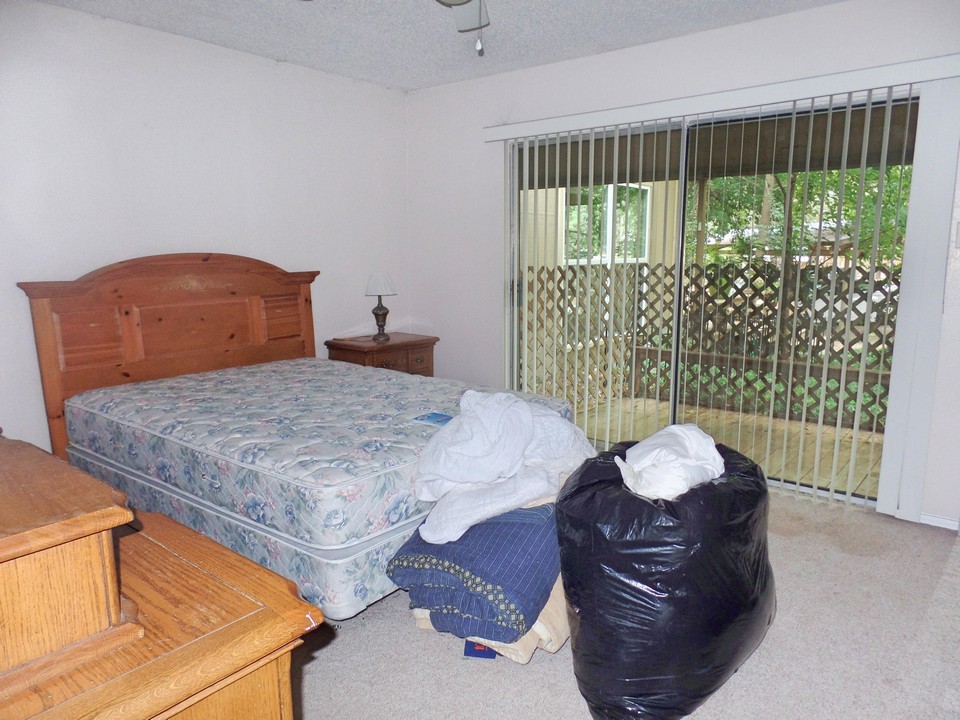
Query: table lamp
[380,284]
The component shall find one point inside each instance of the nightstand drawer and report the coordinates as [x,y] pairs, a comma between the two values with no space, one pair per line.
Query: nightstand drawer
[420,361]
[397,360]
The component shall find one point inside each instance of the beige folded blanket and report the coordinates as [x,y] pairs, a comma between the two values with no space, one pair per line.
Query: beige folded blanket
[550,631]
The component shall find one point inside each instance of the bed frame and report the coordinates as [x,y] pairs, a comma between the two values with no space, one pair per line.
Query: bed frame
[164,315]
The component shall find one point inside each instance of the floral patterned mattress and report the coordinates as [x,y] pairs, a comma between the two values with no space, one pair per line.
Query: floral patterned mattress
[305,466]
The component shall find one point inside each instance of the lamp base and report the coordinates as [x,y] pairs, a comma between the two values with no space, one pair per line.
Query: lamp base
[380,315]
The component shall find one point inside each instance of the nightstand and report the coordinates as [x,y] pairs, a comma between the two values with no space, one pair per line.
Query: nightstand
[403,351]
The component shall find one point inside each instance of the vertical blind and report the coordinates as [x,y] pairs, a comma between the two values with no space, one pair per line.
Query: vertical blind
[737,270]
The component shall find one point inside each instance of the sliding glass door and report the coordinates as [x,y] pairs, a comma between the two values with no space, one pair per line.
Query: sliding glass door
[739,271]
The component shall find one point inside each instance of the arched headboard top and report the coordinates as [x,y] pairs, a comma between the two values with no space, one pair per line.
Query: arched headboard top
[139,271]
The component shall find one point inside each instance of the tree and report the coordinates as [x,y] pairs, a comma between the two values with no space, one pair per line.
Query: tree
[853,213]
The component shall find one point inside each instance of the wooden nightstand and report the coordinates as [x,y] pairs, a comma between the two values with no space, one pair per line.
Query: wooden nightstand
[403,351]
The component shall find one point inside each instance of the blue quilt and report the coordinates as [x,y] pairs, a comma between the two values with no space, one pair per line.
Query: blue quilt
[492,583]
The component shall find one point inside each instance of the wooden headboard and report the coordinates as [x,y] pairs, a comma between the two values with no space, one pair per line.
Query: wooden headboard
[164,315]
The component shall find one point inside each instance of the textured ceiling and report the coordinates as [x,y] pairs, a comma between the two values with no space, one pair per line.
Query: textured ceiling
[413,44]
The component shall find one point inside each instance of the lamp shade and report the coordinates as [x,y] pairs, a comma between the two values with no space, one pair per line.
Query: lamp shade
[380,283]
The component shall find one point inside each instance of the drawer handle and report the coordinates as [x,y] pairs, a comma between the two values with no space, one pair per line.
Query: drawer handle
[420,359]
[387,364]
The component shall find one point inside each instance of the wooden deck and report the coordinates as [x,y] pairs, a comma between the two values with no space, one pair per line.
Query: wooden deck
[786,450]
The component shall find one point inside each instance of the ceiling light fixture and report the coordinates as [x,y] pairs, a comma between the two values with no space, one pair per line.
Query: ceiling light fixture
[470,15]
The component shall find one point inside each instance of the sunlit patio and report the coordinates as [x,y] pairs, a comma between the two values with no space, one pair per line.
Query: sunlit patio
[787,450]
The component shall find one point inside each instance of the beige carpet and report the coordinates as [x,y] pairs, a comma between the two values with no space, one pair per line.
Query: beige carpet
[867,628]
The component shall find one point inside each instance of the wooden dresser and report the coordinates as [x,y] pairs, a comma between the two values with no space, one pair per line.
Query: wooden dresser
[403,351]
[104,618]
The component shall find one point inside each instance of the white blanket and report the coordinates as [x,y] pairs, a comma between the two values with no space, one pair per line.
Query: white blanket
[500,453]
[670,462]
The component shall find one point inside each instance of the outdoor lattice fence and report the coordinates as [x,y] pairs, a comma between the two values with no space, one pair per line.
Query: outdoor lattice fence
[811,341]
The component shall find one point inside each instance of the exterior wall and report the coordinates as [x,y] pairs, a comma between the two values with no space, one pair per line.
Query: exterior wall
[664,211]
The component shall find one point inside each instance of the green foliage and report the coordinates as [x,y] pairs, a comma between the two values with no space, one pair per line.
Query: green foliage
[584,220]
[807,213]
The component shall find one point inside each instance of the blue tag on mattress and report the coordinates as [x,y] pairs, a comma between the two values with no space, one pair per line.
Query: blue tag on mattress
[475,649]
[433,418]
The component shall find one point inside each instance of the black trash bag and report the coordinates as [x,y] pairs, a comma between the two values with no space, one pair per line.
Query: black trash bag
[666,598]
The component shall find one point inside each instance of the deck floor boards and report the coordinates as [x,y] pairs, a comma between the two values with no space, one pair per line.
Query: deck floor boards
[786,449]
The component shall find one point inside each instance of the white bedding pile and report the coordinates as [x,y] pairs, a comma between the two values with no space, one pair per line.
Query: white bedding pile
[670,462]
[499,454]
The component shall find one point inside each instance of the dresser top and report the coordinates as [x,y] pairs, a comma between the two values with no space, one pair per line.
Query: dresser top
[46,502]
[207,614]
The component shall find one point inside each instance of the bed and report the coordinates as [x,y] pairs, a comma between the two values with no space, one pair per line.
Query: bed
[190,382]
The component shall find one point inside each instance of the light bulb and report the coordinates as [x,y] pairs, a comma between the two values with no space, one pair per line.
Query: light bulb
[479,44]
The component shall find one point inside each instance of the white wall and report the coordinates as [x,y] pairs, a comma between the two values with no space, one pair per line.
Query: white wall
[456,208]
[116,141]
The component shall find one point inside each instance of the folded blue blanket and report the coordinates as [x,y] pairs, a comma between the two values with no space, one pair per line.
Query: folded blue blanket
[492,583]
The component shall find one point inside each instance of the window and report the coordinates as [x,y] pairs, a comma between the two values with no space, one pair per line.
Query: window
[606,223]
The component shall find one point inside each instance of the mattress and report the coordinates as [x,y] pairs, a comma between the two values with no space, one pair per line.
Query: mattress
[304,466]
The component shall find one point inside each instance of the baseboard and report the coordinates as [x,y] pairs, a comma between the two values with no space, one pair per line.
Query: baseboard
[936,520]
